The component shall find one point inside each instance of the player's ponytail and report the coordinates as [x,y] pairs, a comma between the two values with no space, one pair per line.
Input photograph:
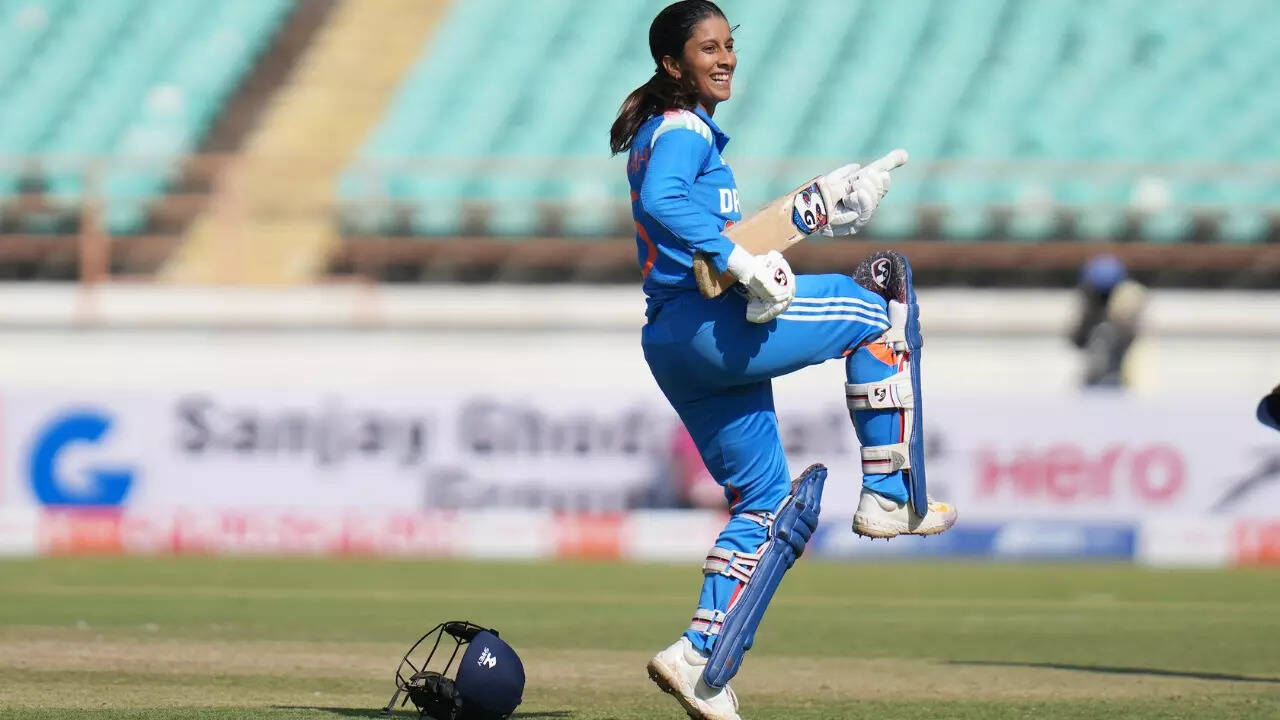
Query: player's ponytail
[668,33]
[659,94]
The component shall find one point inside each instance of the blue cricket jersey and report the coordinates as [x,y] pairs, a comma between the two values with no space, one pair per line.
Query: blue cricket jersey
[683,196]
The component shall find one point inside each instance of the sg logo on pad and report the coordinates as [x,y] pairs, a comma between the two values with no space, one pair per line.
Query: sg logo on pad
[880,271]
[100,482]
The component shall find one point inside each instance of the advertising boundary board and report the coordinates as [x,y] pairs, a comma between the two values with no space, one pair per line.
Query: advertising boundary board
[546,474]
[645,536]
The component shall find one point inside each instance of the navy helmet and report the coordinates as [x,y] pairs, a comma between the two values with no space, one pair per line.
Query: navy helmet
[486,684]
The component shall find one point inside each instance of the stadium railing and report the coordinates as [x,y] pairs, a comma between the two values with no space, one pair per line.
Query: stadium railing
[1064,234]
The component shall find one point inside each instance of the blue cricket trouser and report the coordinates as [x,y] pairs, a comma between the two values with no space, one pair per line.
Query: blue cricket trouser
[715,368]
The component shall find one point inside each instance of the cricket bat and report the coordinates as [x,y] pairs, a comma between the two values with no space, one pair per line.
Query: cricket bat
[781,224]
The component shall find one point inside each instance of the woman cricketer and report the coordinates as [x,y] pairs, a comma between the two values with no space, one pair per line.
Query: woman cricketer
[714,358]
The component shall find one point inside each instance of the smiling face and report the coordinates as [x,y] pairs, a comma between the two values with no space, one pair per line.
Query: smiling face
[707,63]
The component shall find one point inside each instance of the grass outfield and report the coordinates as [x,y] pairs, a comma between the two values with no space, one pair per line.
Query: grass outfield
[277,639]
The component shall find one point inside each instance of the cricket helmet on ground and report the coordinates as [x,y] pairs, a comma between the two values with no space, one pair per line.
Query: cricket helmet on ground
[486,682]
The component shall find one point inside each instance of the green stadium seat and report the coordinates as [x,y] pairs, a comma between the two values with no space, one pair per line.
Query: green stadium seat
[1243,227]
[1166,227]
[1100,206]
[895,221]
[896,218]
[436,202]
[589,206]
[1033,225]
[964,205]
[1247,203]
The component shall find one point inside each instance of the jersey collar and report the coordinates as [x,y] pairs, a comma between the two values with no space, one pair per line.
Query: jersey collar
[716,132]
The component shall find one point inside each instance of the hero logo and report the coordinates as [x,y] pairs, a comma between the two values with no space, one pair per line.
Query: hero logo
[487,659]
[90,484]
[1066,473]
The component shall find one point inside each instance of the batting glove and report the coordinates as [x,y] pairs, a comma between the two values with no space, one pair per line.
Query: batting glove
[860,194]
[769,280]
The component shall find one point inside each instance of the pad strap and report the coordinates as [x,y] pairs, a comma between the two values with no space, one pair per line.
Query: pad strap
[896,338]
[707,621]
[892,392]
[731,563]
[885,459]
[896,335]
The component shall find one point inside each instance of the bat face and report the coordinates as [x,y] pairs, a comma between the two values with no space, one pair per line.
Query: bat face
[810,212]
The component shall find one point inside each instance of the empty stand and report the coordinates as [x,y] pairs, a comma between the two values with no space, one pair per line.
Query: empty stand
[116,94]
[500,126]
[285,173]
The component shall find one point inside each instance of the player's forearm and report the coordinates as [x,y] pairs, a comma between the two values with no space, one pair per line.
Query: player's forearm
[783,222]
[845,196]
[777,226]
[838,203]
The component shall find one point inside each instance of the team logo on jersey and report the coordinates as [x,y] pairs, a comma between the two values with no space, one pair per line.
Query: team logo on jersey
[810,214]
[880,271]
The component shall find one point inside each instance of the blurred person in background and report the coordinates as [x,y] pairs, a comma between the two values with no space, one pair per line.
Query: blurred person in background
[714,359]
[1111,308]
[693,485]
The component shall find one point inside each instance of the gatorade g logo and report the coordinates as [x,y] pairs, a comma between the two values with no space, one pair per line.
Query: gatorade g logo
[880,272]
[96,484]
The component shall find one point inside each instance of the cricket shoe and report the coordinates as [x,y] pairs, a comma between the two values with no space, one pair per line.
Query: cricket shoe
[678,671]
[882,517]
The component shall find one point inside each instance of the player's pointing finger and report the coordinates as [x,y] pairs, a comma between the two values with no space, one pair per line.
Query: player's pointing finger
[895,159]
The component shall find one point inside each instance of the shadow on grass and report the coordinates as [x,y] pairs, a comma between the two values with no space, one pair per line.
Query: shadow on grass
[352,712]
[377,713]
[1110,670]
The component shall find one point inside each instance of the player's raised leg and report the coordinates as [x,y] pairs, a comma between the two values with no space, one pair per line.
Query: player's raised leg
[883,395]
[829,317]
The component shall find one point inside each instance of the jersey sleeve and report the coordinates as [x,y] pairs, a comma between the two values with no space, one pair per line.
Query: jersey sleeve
[674,162]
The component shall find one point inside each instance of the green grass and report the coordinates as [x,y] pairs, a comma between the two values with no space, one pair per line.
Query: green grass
[270,638]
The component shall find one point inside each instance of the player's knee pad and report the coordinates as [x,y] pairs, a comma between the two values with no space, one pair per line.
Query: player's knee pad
[758,575]
[897,389]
